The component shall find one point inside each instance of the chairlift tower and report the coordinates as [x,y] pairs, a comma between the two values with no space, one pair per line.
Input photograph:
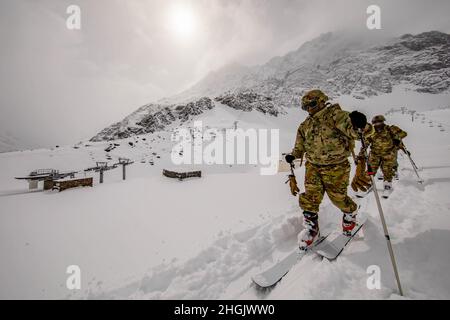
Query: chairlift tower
[124,162]
[412,115]
[101,166]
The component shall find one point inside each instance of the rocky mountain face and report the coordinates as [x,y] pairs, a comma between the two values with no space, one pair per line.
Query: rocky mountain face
[248,101]
[153,117]
[337,64]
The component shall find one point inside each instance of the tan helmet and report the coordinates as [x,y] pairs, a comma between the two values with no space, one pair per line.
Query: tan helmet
[313,98]
[378,119]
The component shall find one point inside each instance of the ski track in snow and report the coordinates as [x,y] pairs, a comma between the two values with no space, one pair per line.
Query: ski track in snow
[231,259]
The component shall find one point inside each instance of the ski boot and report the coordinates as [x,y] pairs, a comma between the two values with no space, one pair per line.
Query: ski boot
[387,189]
[362,194]
[348,223]
[311,232]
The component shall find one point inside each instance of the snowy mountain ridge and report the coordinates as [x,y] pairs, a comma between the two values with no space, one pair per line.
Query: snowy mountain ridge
[340,65]
[337,64]
[156,117]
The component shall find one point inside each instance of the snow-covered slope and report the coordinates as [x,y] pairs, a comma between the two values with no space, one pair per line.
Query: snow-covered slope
[339,64]
[153,237]
[418,217]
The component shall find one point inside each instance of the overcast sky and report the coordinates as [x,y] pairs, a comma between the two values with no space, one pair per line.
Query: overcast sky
[58,86]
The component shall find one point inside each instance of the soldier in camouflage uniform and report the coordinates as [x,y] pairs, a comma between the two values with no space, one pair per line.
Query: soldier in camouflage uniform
[384,146]
[326,138]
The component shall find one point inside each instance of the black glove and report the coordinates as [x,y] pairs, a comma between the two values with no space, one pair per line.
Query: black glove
[359,120]
[289,158]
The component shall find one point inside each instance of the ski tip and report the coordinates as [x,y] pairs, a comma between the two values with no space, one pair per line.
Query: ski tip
[260,282]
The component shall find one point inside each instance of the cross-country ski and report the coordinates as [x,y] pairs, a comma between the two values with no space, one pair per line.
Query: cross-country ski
[333,246]
[272,275]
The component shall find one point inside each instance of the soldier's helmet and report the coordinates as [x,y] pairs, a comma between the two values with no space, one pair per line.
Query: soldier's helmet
[313,98]
[378,119]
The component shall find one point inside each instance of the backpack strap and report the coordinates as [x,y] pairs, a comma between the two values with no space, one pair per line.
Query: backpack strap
[350,144]
[391,133]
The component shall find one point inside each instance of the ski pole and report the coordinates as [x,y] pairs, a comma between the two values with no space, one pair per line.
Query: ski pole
[292,168]
[380,211]
[292,176]
[413,164]
[292,165]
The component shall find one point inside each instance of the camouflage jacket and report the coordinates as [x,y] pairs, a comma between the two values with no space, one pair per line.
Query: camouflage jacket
[383,142]
[327,137]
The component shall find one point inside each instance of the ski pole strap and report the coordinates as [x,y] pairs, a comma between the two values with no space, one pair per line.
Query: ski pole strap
[354,157]
[290,176]
[361,137]
[406,151]
[370,171]
[403,148]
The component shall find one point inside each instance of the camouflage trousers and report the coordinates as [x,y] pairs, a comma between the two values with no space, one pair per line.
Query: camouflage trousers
[396,161]
[332,179]
[387,162]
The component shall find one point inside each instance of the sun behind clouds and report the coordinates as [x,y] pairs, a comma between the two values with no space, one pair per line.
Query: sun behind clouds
[182,21]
